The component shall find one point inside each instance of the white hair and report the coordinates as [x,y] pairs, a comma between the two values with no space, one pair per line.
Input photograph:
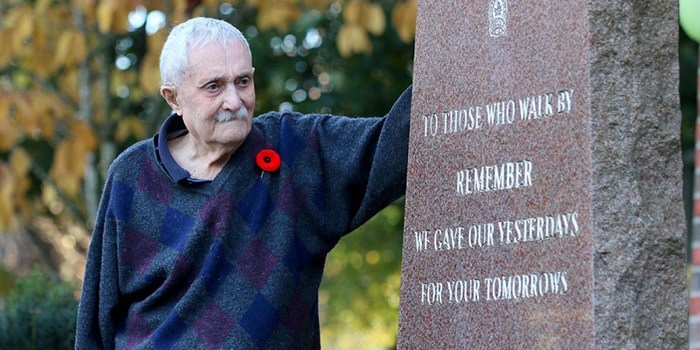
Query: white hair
[174,58]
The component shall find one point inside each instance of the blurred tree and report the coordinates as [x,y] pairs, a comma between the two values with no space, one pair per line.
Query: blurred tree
[79,83]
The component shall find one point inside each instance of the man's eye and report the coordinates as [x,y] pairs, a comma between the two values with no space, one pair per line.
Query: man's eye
[212,87]
[244,81]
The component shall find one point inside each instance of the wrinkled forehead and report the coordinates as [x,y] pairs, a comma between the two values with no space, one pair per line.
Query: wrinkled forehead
[232,51]
[204,38]
[219,61]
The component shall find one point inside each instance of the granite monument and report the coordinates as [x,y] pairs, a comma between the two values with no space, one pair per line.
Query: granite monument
[544,206]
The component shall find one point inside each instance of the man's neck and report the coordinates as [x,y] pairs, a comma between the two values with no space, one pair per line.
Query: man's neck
[203,162]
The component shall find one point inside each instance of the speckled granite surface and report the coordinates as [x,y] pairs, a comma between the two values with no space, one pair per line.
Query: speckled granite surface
[544,207]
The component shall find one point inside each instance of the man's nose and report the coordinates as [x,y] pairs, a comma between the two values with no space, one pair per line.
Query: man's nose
[232,99]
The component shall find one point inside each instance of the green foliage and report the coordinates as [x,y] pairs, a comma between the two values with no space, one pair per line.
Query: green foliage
[7,280]
[359,297]
[38,314]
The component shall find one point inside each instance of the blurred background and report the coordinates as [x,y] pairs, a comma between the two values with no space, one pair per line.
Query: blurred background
[79,83]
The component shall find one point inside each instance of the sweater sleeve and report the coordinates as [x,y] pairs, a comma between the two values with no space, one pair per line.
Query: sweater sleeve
[364,164]
[95,329]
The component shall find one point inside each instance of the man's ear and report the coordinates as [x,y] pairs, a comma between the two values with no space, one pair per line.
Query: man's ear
[170,95]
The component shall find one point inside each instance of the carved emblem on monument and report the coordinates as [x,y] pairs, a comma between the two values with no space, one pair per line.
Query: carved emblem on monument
[498,17]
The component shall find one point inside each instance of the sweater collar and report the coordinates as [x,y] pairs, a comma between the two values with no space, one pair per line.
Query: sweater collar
[171,128]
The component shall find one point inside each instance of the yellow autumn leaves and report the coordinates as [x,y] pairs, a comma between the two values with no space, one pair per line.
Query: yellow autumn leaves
[70,158]
[34,114]
[38,100]
[71,48]
[361,19]
[403,18]
[14,183]
[31,35]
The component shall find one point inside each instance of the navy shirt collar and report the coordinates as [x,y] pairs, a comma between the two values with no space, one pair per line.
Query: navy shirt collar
[171,128]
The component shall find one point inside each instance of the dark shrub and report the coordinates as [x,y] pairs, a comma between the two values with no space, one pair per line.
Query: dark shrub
[38,314]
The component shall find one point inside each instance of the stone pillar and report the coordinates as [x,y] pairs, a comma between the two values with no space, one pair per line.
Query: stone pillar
[544,205]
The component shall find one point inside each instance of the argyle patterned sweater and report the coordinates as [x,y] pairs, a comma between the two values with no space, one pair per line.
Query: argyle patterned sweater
[235,263]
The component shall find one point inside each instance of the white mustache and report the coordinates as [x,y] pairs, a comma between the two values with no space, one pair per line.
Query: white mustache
[225,116]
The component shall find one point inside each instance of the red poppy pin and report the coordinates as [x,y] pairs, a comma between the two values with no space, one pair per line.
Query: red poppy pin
[268,160]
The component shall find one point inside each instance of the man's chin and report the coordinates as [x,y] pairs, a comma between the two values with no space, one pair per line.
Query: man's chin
[235,129]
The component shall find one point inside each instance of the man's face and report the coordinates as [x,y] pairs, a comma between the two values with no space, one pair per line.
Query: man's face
[216,96]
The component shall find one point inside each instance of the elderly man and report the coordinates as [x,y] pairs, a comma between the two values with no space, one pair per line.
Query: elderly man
[214,233]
